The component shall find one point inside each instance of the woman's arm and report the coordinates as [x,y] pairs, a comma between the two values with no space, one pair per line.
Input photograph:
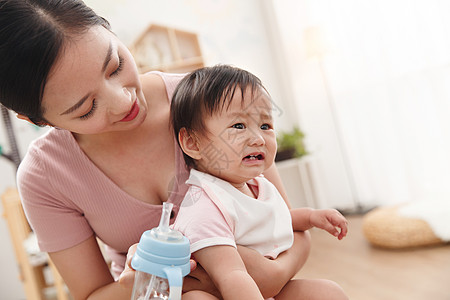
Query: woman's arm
[197,279]
[269,275]
[273,176]
[226,269]
[272,275]
[86,273]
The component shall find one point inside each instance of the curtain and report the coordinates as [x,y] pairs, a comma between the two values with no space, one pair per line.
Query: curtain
[374,101]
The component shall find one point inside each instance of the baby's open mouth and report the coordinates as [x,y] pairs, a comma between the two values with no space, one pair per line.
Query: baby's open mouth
[254,157]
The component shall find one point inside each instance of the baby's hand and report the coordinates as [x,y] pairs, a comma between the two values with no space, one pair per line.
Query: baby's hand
[330,220]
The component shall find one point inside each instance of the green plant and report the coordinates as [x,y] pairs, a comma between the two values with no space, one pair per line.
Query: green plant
[290,144]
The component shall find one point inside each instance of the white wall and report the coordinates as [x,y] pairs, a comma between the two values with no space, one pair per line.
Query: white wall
[312,109]
[231,31]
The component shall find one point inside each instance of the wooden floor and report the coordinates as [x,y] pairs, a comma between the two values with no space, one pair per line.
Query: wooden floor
[369,273]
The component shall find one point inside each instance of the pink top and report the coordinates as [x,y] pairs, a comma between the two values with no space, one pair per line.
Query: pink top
[67,198]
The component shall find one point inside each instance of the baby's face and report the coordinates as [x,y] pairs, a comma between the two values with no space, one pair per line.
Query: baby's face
[240,142]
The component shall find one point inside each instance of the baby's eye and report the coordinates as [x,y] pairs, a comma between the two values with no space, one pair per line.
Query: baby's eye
[266,126]
[238,126]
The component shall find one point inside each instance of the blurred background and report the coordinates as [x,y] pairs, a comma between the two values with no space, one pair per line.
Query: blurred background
[367,83]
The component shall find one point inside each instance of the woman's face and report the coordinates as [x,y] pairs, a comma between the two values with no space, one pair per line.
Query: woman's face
[94,86]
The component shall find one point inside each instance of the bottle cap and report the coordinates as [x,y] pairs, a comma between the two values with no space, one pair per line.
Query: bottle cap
[162,247]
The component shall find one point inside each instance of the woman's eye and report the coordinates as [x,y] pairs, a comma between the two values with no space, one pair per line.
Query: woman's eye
[238,126]
[119,67]
[90,112]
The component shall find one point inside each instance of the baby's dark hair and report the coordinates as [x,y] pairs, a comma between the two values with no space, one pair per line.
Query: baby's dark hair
[33,34]
[204,92]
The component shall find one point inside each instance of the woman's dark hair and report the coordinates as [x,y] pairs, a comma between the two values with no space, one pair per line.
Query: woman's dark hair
[32,35]
[204,92]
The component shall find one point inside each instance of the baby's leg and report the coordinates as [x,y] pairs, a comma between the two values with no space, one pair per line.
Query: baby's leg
[311,289]
[198,295]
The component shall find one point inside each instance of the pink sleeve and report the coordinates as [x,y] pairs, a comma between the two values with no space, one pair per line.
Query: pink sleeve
[47,213]
[202,222]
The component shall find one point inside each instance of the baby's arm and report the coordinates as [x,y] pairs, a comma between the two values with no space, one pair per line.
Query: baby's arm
[227,270]
[327,219]
[272,275]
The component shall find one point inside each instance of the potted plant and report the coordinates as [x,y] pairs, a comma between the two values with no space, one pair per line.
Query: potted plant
[290,144]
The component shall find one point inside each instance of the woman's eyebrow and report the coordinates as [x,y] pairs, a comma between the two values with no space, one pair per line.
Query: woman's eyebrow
[107,57]
[76,106]
[105,65]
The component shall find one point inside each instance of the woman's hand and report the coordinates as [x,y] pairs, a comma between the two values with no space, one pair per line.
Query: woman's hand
[198,279]
[272,275]
[86,273]
[126,278]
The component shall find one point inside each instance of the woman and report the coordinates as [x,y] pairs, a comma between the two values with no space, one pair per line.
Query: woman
[111,159]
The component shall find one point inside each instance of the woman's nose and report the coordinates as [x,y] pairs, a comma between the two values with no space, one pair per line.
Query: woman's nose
[123,101]
[127,93]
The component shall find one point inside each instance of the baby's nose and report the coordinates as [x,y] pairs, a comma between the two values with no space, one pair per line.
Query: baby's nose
[256,139]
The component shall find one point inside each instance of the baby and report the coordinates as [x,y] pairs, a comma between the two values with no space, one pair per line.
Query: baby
[222,117]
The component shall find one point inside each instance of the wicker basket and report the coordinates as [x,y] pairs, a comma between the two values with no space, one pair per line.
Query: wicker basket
[384,227]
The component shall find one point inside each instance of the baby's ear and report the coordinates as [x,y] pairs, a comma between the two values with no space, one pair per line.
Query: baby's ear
[189,143]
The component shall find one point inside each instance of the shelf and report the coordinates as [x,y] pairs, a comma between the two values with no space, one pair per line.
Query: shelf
[167,49]
[299,177]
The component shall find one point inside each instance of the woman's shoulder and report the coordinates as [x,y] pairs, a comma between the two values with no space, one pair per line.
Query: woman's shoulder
[167,78]
[52,150]
[52,136]
[160,84]
[52,144]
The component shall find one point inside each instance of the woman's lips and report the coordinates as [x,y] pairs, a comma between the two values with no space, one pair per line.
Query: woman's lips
[132,114]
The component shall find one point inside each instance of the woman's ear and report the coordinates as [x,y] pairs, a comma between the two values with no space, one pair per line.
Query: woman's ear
[189,143]
[25,118]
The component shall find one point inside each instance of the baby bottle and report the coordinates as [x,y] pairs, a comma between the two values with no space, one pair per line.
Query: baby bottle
[161,261]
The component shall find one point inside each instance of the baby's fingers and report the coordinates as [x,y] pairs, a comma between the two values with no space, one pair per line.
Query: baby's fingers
[331,229]
[338,220]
